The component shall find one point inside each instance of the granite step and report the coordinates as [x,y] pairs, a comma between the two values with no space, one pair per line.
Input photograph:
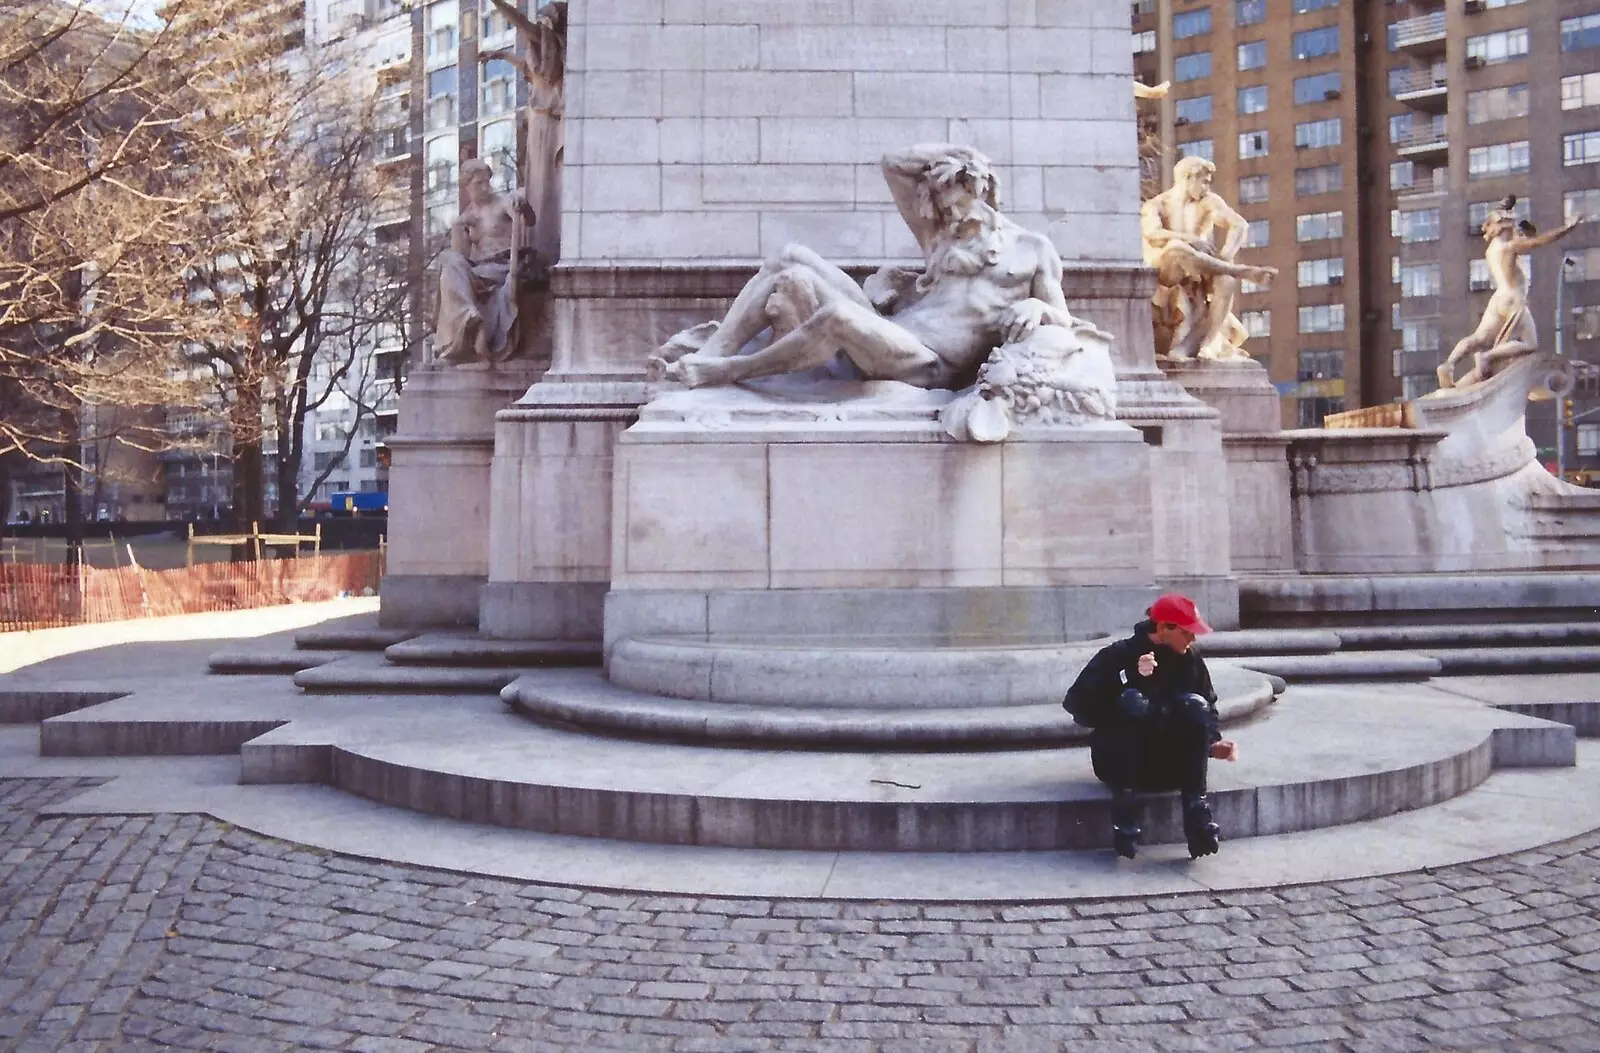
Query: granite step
[1320,757]
[1327,601]
[347,676]
[458,649]
[350,638]
[587,700]
[1347,665]
[1232,643]
[1499,635]
[1481,660]
[241,663]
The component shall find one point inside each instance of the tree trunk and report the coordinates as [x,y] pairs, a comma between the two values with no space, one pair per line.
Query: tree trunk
[288,484]
[249,481]
[72,493]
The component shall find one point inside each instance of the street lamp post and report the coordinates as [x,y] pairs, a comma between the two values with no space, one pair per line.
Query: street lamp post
[1567,263]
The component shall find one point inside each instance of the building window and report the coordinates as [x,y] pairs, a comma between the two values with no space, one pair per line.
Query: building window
[493,24]
[1399,80]
[1260,235]
[1497,104]
[1257,323]
[441,153]
[1580,148]
[1418,225]
[1253,99]
[1248,286]
[441,29]
[1420,336]
[1323,179]
[1580,90]
[1479,211]
[1311,134]
[499,79]
[1326,364]
[1580,32]
[1302,6]
[1486,162]
[1329,271]
[1144,43]
[498,146]
[1316,88]
[1420,279]
[1192,67]
[1315,43]
[1191,23]
[1203,148]
[1318,226]
[1249,12]
[1580,202]
[1491,48]
[1313,410]
[1194,110]
[1586,322]
[1478,277]
[1402,175]
[1502,3]
[441,98]
[1585,264]
[1589,440]
[1322,318]
[1253,189]
[1253,55]
[1253,144]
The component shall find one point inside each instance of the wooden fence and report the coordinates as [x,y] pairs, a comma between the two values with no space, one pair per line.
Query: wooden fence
[45,595]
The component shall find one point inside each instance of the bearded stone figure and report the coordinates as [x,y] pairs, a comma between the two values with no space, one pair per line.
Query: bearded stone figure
[987,282]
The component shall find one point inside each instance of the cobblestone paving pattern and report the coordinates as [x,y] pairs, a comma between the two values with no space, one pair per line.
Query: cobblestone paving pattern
[177,932]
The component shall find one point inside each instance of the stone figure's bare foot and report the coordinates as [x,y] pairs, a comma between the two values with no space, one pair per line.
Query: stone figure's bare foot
[698,371]
[1447,378]
[470,343]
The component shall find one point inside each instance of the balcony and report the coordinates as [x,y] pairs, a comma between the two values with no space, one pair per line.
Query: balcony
[1424,143]
[1429,187]
[1426,33]
[1424,89]
[393,145]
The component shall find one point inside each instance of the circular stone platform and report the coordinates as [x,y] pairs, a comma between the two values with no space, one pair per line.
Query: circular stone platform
[1313,760]
[877,672]
[593,704]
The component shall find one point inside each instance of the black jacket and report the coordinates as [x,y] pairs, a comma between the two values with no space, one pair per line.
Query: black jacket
[1116,667]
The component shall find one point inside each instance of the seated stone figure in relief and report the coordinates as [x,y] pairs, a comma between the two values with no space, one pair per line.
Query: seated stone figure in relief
[477,318]
[1506,332]
[1197,278]
[987,282]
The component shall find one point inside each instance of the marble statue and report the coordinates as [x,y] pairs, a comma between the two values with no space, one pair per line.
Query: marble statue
[542,62]
[477,318]
[1151,91]
[986,283]
[1150,147]
[1197,279]
[1506,332]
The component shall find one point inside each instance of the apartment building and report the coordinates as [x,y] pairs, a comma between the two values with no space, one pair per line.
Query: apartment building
[1365,140]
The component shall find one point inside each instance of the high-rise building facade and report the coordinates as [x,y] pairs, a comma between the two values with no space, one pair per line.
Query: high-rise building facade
[1365,140]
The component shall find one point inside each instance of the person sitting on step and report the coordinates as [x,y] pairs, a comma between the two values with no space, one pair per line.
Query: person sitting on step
[1153,712]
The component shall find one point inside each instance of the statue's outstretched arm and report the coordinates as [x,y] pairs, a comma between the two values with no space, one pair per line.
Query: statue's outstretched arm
[1527,244]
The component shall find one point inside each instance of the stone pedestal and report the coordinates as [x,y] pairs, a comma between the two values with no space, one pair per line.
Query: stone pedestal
[813,520]
[1253,443]
[439,485]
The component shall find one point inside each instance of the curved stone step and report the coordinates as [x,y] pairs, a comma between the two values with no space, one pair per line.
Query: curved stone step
[1352,665]
[350,677]
[267,662]
[1314,761]
[887,673]
[588,701]
[1232,643]
[1411,637]
[450,649]
[350,638]
[1468,661]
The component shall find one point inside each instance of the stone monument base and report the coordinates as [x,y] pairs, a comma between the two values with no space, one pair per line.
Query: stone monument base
[439,547]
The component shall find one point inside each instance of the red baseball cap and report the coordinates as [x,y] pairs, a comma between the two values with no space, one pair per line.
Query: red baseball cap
[1179,610]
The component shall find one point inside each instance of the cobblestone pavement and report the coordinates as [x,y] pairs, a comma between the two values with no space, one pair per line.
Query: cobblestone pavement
[178,932]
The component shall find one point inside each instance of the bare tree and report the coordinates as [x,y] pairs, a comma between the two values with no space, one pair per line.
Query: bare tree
[292,280]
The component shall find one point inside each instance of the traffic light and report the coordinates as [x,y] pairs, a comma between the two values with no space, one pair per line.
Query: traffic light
[1566,410]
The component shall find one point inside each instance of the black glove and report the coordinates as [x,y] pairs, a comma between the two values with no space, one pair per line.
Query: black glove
[1132,706]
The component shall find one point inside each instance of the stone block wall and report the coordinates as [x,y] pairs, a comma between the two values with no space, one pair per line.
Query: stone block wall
[719,130]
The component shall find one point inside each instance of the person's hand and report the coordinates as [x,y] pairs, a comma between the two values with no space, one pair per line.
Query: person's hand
[1022,320]
[1227,750]
[1147,664]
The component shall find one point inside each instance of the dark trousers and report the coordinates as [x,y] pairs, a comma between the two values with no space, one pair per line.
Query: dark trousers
[1162,751]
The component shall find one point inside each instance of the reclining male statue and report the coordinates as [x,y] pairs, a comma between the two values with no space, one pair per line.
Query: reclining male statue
[987,282]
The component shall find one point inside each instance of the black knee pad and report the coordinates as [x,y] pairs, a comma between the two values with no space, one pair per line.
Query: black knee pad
[1193,711]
